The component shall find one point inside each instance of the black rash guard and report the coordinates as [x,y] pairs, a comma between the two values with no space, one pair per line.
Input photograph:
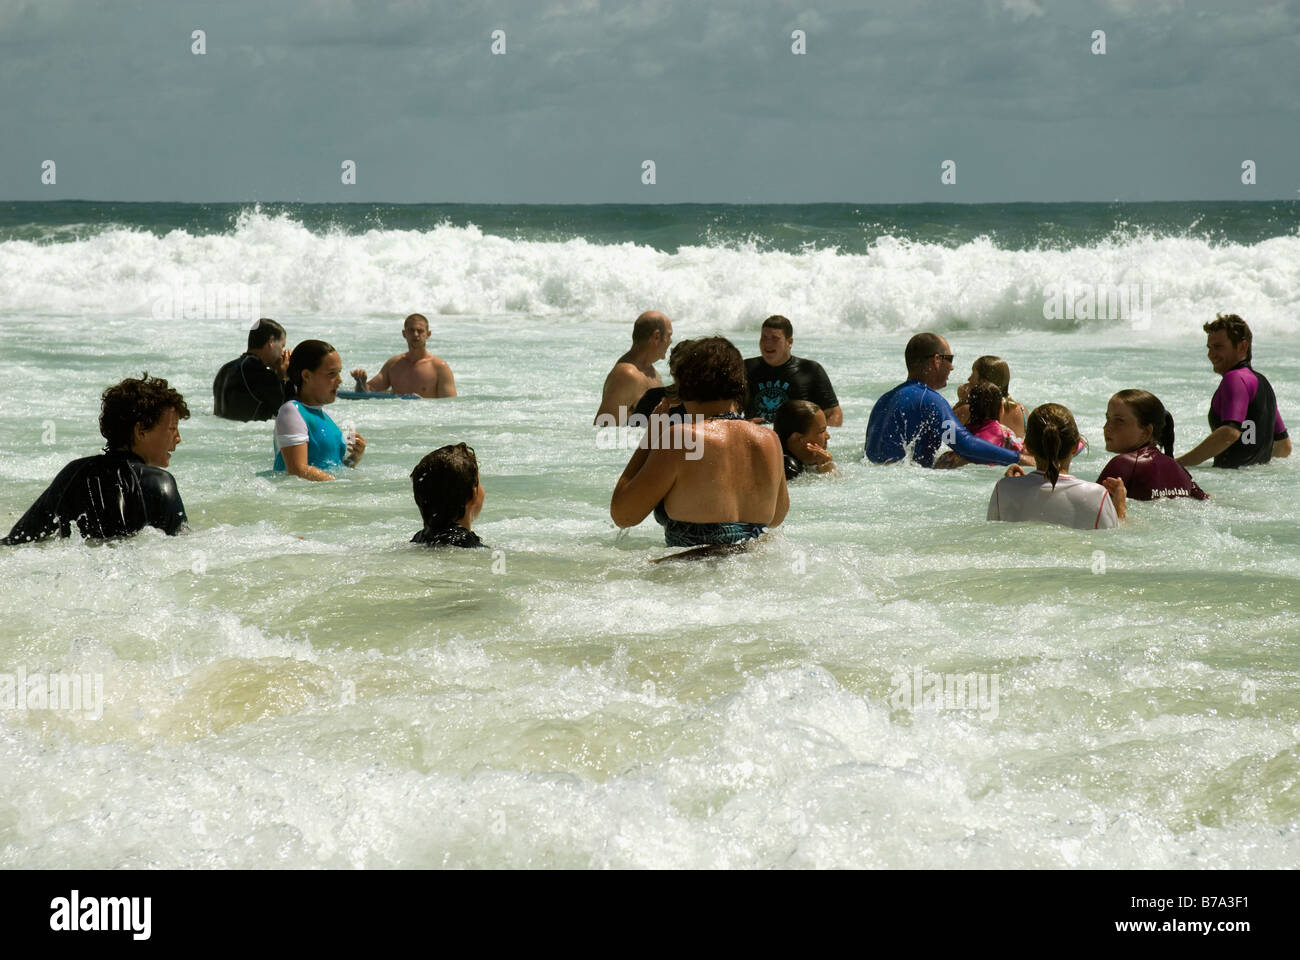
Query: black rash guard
[111,495]
[453,536]
[796,379]
[247,389]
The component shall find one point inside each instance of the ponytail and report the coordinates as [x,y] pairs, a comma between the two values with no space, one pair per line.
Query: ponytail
[1053,436]
[1166,440]
[1052,452]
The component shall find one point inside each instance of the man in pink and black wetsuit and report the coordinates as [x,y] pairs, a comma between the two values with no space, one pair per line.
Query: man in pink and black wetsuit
[1246,425]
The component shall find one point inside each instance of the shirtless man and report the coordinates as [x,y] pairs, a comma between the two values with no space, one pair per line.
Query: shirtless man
[635,372]
[416,371]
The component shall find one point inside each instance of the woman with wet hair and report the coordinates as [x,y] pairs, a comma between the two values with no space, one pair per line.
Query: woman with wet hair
[1050,494]
[716,478]
[1137,425]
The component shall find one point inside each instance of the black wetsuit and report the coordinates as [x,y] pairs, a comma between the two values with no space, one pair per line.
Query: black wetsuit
[453,536]
[247,389]
[111,495]
[794,467]
[796,379]
[651,399]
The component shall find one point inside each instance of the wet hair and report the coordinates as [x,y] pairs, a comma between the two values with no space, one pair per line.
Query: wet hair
[1150,412]
[418,316]
[132,403]
[676,354]
[994,370]
[712,369]
[921,348]
[647,325]
[984,400]
[1052,435]
[443,482]
[263,333]
[793,416]
[308,355]
[778,322]
[1236,328]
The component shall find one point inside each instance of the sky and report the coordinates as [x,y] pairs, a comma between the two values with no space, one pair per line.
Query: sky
[710,91]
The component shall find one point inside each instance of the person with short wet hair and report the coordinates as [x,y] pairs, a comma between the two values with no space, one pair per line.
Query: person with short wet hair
[252,386]
[634,373]
[449,493]
[776,376]
[914,419]
[126,488]
[1246,425]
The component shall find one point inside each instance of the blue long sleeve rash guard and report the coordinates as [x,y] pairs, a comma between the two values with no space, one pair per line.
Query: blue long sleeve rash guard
[914,414]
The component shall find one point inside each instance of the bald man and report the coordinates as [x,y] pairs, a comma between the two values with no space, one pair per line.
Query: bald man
[635,372]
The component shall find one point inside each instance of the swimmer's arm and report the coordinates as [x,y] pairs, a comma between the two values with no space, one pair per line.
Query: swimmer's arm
[381,383]
[649,476]
[1282,448]
[356,449]
[1213,445]
[295,462]
[446,382]
[834,416]
[1118,495]
[621,392]
[782,503]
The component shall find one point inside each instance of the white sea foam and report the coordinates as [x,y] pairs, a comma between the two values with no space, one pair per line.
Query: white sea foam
[897,285]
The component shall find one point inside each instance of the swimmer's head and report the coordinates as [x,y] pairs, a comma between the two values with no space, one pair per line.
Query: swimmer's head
[315,372]
[775,340]
[929,360]
[653,329]
[415,330]
[712,369]
[985,402]
[798,422]
[1135,418]
[1052,436]
[142,416]
[989,369]
[447,487]
[263,332]
[1227,341]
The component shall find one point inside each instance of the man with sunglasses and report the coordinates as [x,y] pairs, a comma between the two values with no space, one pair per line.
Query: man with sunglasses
[915,417]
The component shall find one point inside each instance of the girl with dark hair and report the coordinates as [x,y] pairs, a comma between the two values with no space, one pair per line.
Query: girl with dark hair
[1137,424]
[307,442]
[800,425]
[1050,494]
[450,496]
